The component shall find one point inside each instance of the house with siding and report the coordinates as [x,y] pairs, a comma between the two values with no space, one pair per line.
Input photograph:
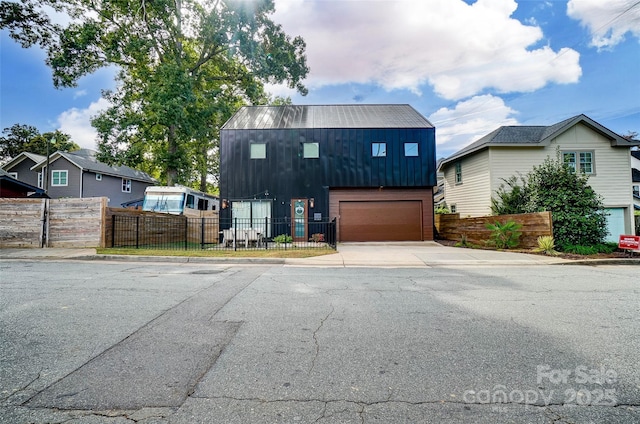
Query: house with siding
[370,167]
[473,174]
[12,187]
[635,178]
[80,174]
[20,166]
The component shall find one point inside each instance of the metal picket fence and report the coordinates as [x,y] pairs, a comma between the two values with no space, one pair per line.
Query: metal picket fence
[182,233]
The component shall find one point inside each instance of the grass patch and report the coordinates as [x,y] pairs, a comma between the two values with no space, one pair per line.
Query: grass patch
[240,253]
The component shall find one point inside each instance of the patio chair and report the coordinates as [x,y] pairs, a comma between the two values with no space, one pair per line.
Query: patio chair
[228,237]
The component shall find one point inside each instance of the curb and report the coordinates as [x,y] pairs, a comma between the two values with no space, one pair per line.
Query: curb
[182,259]
[596,262]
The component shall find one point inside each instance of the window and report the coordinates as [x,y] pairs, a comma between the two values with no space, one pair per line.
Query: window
[636,190]
[258,151]
[191,201]
[59,178]
[378,150]
[254,214]
[39,179]
[310,150]
[581,161]
[410,149]
[458,173]
[126,185]
[98,177]
[454,209]
[13,175]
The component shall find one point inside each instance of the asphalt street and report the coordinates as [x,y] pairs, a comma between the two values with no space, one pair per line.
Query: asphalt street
[123,342]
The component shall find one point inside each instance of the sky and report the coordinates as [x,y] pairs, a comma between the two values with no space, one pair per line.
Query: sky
[467,66]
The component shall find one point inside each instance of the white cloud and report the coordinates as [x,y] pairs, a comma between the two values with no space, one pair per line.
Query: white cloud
[458,48]
[79,93]
[468,121]
[77,123]
[608,21]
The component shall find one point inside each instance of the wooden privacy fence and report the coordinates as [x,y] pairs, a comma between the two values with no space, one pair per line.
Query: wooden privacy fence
[451,227]
[52,222]
[137,227]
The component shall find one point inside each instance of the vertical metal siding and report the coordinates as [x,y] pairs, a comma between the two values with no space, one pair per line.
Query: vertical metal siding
[345,161]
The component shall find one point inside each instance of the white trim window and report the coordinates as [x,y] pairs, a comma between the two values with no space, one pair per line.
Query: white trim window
[458,168]
[60,178]
[98,177]
[126,185]
[40,182]
[582,161]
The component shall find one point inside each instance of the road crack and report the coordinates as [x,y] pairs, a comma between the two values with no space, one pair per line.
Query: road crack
[315,338]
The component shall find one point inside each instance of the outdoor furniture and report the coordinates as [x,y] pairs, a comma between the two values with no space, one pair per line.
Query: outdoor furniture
[228,237]
[252,236]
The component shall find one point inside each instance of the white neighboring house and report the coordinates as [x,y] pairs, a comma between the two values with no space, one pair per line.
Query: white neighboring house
[473,174]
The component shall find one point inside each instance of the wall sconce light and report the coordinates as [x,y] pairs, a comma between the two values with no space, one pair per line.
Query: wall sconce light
[225,203]
[312,202]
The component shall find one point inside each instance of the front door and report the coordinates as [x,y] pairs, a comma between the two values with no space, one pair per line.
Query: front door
[299,219]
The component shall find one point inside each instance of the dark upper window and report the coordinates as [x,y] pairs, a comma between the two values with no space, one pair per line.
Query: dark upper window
[411,149]
[378,150]
[458,173]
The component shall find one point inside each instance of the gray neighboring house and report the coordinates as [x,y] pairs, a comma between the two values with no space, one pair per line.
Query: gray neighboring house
[80,174]
[20,168]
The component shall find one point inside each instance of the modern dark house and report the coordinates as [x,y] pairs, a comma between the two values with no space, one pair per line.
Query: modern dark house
[370,167]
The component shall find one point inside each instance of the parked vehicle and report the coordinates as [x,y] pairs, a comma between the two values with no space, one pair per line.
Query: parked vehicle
[179,200]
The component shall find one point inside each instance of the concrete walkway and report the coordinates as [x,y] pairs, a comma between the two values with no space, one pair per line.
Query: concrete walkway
[387,255]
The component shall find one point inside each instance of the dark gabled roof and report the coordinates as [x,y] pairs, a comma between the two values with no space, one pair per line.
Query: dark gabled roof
[635,175]
[326,116]
[536,136]
[86,159]
[22,156]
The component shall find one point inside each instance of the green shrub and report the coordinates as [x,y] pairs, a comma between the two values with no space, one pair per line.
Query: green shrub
[283,238]
[463,242]
[504,236]
[579,217]
[546,245]
[442,209]
[590,250]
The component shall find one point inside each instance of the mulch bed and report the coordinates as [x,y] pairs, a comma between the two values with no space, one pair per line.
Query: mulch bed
[613,255]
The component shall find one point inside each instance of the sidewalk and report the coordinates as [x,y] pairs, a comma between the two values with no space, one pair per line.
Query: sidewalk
[377,255]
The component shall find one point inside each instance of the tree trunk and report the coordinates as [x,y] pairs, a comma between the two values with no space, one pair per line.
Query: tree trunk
[172,172]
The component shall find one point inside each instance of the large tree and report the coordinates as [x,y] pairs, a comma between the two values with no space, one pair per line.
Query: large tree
[20,138]
[183,65]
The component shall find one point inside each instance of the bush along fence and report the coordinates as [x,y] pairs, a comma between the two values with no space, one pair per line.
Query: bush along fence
[474,230]
[136,229]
